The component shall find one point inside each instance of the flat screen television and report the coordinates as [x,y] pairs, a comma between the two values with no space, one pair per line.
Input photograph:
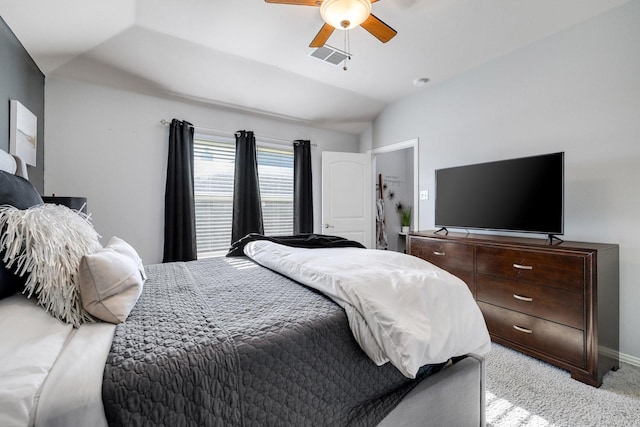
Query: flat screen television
[519,195]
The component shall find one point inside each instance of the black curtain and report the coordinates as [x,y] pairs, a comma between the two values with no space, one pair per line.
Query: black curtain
[302,188]
[247,206]
[179,205]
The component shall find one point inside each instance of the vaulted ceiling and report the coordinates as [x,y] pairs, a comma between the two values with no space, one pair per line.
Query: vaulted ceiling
[251,56]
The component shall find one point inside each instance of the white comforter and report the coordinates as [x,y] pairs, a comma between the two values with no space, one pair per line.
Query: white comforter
[400,308]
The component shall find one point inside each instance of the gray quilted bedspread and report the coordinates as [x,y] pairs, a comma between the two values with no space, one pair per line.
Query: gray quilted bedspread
[224,342]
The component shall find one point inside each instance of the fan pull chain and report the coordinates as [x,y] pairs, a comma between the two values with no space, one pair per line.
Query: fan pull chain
[347,49]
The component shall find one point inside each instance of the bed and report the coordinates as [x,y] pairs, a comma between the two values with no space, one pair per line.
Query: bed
[230,341]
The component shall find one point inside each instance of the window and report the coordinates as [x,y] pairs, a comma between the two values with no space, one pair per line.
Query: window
[275,173]
[214,167]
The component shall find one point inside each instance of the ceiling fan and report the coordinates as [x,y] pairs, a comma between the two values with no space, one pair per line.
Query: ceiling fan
[344,15]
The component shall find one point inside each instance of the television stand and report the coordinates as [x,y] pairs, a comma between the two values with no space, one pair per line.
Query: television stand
[558,303]
[446,232]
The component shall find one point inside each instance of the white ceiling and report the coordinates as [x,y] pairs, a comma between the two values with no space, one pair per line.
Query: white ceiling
[253,56]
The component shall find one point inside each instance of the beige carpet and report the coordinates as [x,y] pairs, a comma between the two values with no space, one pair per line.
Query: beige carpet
[523,391]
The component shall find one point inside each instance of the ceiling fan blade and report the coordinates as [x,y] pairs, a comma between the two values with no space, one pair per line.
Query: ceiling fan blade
[296,2]
[378,29]
[322,36]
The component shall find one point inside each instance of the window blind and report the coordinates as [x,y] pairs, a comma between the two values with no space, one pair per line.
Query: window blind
[214,164]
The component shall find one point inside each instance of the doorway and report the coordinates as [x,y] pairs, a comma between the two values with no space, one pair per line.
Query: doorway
[396,166]
[346,196]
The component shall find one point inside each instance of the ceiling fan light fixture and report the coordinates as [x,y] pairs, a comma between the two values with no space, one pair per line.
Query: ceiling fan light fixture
[345,14]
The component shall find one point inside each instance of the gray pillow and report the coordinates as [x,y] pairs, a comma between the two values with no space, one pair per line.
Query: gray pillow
[17,191]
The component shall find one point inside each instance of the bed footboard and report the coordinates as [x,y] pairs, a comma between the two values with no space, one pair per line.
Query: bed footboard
[453,397]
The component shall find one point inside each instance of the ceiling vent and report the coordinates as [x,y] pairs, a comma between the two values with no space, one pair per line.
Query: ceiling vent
[330,54]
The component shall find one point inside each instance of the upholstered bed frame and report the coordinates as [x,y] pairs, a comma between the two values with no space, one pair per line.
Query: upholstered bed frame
[12,164]
[453,397]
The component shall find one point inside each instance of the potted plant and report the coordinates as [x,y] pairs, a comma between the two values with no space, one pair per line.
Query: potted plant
[405,219]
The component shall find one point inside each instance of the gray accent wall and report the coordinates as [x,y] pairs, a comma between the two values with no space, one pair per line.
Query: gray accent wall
[22,80]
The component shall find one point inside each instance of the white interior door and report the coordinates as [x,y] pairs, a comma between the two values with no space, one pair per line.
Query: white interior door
[346,196]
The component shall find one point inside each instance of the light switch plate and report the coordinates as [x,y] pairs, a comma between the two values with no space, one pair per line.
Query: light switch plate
[424,195]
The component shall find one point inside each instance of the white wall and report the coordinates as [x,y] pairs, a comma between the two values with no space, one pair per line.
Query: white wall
[108,145]
[578,92]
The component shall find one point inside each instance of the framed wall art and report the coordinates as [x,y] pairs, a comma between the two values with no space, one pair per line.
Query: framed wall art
[23,133]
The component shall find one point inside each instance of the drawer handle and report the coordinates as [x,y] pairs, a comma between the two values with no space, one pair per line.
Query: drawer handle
[521,298]
[438,253]
[523,267]
[521,329]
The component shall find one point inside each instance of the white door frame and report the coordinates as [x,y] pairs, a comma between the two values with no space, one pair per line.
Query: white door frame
[410,143]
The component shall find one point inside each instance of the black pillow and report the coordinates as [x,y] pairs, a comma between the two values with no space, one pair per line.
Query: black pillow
[20,193]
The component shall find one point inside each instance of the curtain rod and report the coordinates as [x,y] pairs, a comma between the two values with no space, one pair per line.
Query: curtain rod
[280,140]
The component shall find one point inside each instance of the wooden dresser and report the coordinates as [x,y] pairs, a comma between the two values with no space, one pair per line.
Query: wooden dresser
[557,302]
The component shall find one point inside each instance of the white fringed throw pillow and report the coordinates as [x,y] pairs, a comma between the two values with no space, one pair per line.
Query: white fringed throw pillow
[46,243]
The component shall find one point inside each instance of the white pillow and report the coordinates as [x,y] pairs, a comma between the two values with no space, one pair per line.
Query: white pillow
[111,281]
[45,243]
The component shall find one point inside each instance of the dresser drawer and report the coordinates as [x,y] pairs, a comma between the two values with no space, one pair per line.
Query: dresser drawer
[545,302]
[447,255]
[559,270]
[562,342]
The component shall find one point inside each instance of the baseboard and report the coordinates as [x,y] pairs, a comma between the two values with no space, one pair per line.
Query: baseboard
[626,358]
[631,360]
